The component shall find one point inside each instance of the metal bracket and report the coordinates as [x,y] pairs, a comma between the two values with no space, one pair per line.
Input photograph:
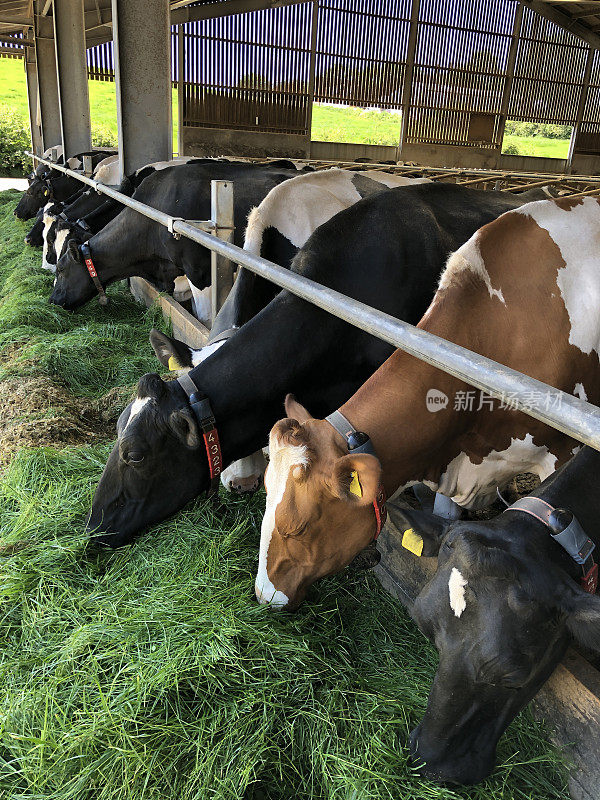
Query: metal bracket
[203,225]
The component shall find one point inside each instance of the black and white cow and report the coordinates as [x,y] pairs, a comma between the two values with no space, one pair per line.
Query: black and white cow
[282,223]
[276,230]
[46,184]
[135,245]
[387,251]
[88,212]
[501,608]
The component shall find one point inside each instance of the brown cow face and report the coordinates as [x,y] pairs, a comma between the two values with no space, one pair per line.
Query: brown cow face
[319,513]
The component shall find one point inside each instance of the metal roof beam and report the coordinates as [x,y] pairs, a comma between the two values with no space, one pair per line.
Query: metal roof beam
[225,9]
[563,21]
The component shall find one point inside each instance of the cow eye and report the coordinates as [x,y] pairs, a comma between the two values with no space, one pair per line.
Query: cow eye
[135,458]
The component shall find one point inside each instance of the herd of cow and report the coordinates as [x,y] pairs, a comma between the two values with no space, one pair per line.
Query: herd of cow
[514,277]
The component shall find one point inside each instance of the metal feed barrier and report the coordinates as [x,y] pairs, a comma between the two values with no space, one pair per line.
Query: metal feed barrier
[574,417]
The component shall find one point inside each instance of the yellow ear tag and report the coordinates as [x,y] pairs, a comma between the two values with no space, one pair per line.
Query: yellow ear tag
[174,364]
[413,542]
[355,486]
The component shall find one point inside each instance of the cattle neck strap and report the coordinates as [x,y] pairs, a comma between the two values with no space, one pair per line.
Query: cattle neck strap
[573,538]
[89,263]
[359,442]
[200,405]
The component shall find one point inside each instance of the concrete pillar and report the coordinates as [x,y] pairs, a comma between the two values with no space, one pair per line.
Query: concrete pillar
[71,66]
[35,117]
[142,42]
[45,58]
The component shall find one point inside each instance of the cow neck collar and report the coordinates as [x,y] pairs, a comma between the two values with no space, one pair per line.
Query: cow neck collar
[202,410]
[359,442]
[573,539]
[89,264]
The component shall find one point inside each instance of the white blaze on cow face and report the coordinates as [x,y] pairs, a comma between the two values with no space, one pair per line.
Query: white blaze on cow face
[59,243]
[283,461]
[468,259]
[577,280]
[456,591]
[137,405]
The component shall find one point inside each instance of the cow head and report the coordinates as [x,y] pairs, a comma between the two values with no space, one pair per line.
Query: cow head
[499,612]
[319,513]
[157,465]
[73,286]
[38,192]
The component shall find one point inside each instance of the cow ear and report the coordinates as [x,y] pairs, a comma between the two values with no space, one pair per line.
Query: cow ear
[171,353]
[295,410]
[422,532]
[356,478]
[583,616]
[184,426]
[73,250]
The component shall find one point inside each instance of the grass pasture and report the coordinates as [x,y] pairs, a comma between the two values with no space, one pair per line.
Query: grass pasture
[150,673]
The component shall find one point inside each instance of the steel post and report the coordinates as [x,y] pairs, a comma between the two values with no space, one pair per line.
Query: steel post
[142,45]
[71,70]
[222,268]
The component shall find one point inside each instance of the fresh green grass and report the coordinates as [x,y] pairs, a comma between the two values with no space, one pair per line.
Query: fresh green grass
[537,146]
[151,673]
[357,125]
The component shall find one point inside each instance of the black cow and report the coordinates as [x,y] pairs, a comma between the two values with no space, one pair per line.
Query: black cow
[46,184]
[387,251]
[87,211]
[135,245]
[501,609]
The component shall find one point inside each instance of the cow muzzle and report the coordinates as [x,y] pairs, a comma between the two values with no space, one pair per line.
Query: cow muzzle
[467,764]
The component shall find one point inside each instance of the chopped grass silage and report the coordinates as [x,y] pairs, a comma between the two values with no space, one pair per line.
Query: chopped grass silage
[151,674]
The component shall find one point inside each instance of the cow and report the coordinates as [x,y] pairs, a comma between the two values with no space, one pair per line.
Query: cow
[135,245]
[87,212]
[522,291]
[276,230]
[281,225]
[501,608]
[46,184]
[158,463]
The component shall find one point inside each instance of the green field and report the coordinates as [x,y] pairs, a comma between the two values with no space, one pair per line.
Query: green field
[151,673]
[330,123]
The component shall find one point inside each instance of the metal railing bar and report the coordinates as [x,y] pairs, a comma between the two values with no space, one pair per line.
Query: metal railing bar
[574,417]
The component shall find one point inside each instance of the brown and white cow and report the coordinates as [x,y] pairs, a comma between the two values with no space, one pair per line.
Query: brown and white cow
[524,291]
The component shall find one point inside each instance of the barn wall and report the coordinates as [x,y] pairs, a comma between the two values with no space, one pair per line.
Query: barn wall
[257,144]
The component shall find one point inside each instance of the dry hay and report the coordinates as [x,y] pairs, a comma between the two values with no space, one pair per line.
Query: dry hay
[38,412]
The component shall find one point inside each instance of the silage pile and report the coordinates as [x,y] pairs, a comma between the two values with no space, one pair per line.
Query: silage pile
[150,673]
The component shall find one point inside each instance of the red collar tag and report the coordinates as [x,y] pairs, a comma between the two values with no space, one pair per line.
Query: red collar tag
[90,268]
[380,510]
[589,581]
[213,453]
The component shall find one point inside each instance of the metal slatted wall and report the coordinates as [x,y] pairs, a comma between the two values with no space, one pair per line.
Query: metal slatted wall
[361,52]
[101,62]
[460,72]
[548,73]
[249,71]
[12,49]
[588,138]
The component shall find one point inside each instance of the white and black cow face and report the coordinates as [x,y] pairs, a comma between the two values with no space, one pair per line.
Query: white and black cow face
[499,614]
[38,192]
[73,286]
[156,466]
